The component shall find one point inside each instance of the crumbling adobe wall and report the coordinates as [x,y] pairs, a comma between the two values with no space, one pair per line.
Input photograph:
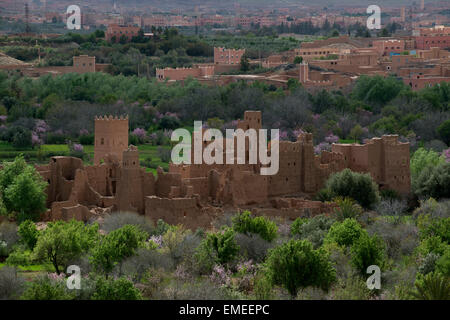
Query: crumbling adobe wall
[186,211]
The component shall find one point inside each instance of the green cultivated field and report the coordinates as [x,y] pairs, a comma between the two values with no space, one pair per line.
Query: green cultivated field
[43,154]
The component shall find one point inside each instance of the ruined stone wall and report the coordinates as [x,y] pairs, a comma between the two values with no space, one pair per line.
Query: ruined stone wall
[186,211]
[386,159]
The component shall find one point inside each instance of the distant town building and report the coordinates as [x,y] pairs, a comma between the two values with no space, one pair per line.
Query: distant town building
[228,56]
[115,32]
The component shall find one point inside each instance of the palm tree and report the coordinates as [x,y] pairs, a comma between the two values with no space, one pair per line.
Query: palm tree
[434,286]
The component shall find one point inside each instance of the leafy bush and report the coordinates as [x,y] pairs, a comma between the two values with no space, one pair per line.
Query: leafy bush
[8,237]
[400,239]
[347,208]
[45,288]
[246,224]
[367,251]
[434,181]
[87,139]
[138,264]
[391,207]
[28,233]
[216,248]
[444,131]
[429,263]
[111,289]
[296,265]
[11,285]
[252,246]
[443,263]
[357,186]
[313,230]
[19,258]
[345,233]
[433,208]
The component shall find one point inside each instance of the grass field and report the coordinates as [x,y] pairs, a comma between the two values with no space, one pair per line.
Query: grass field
[42,155]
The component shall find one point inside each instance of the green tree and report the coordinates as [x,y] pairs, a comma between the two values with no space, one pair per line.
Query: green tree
[356,133]
[357,186]
[434,182]
[444,131]
[245,64]
[62,242]
[296,265]
[116,246]
[367,251]
[22,189]
[298,59]
[420,160]
[28,233]
[111,289]
[244,223]
[216,248]
[345,233]
[45,288]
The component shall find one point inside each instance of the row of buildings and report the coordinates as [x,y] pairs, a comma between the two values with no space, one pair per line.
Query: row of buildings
[421,60]
[196,194]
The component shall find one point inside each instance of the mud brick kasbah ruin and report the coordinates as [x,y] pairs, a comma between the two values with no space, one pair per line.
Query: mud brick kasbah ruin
[195,195]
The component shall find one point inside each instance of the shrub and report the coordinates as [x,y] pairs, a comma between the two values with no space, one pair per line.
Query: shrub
[347,208]
[111,289]
[87,139]
[444,131]
[246,224]
[357,186]
[313,230]
[443,263]
[433,208]
[391,207]
[432,244]
[216,248]
[352,288]
[119,219]
[45,288]
[28,233]
[432,286]
[8,236]
[296,265]
[389,194]
[367,251]
[435,227]
[400,239]
[62,242]
[434,181]
[252,246]
[428,263]
[345,233]
[138,264]
[116,246]
[324,195]
[19,258]
[161,227]
[262,287]
[11,285]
